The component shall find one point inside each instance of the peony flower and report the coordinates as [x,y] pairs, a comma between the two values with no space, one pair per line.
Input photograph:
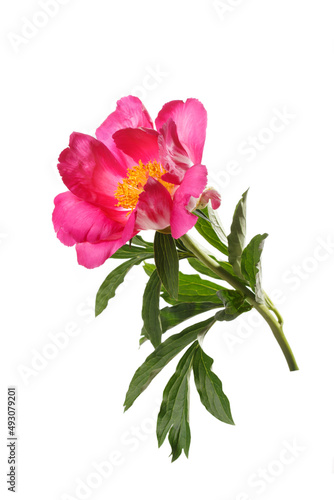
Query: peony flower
[132,177]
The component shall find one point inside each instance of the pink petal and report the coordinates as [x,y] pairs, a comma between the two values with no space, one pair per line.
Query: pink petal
[192,186]
[210,194]
[129,229]
[154,207]
[93,255]
[90,171]
[76,221]
[173,156]
[139,144]
[191,121]
[130,113]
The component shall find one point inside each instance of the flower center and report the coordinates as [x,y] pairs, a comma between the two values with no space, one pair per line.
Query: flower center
[128,191]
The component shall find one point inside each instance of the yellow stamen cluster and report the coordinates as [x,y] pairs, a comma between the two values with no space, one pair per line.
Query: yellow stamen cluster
[128,191]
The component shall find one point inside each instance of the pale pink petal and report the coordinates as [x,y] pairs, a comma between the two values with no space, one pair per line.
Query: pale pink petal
[212,195]
[192,204]
[93,255]
[173,156]
[139,144]
[90,171]
[192,186]
[130,113]
[76,221]
[191,121]
[154,207]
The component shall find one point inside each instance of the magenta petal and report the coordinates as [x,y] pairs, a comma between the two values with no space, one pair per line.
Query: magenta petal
[139,144]
[171,178]
[181,222]
[173,156]
[154,207]
[90,171]
[76,221]
[192,186]
[191,121]
[130,113]
[129,229]
[93,255]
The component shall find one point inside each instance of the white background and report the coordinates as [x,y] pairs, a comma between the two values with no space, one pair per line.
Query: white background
[246,61]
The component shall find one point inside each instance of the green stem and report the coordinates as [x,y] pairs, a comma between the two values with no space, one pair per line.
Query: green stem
[275,325]
[272,307]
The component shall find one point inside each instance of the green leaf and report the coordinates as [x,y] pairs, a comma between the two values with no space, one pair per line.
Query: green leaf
[251,264]
[192,288]
[127,252]
[181,246]
[137,247]
[200,213]
[167,262]
[236,238]
[174,411]
[204,227]
[195,290]
[173,316]
[201,268]
[235,304]
[216,224]
[138,240]
[210,387]
[149,268]
[227,266]
[108,288]
[161,356]
[150,311]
